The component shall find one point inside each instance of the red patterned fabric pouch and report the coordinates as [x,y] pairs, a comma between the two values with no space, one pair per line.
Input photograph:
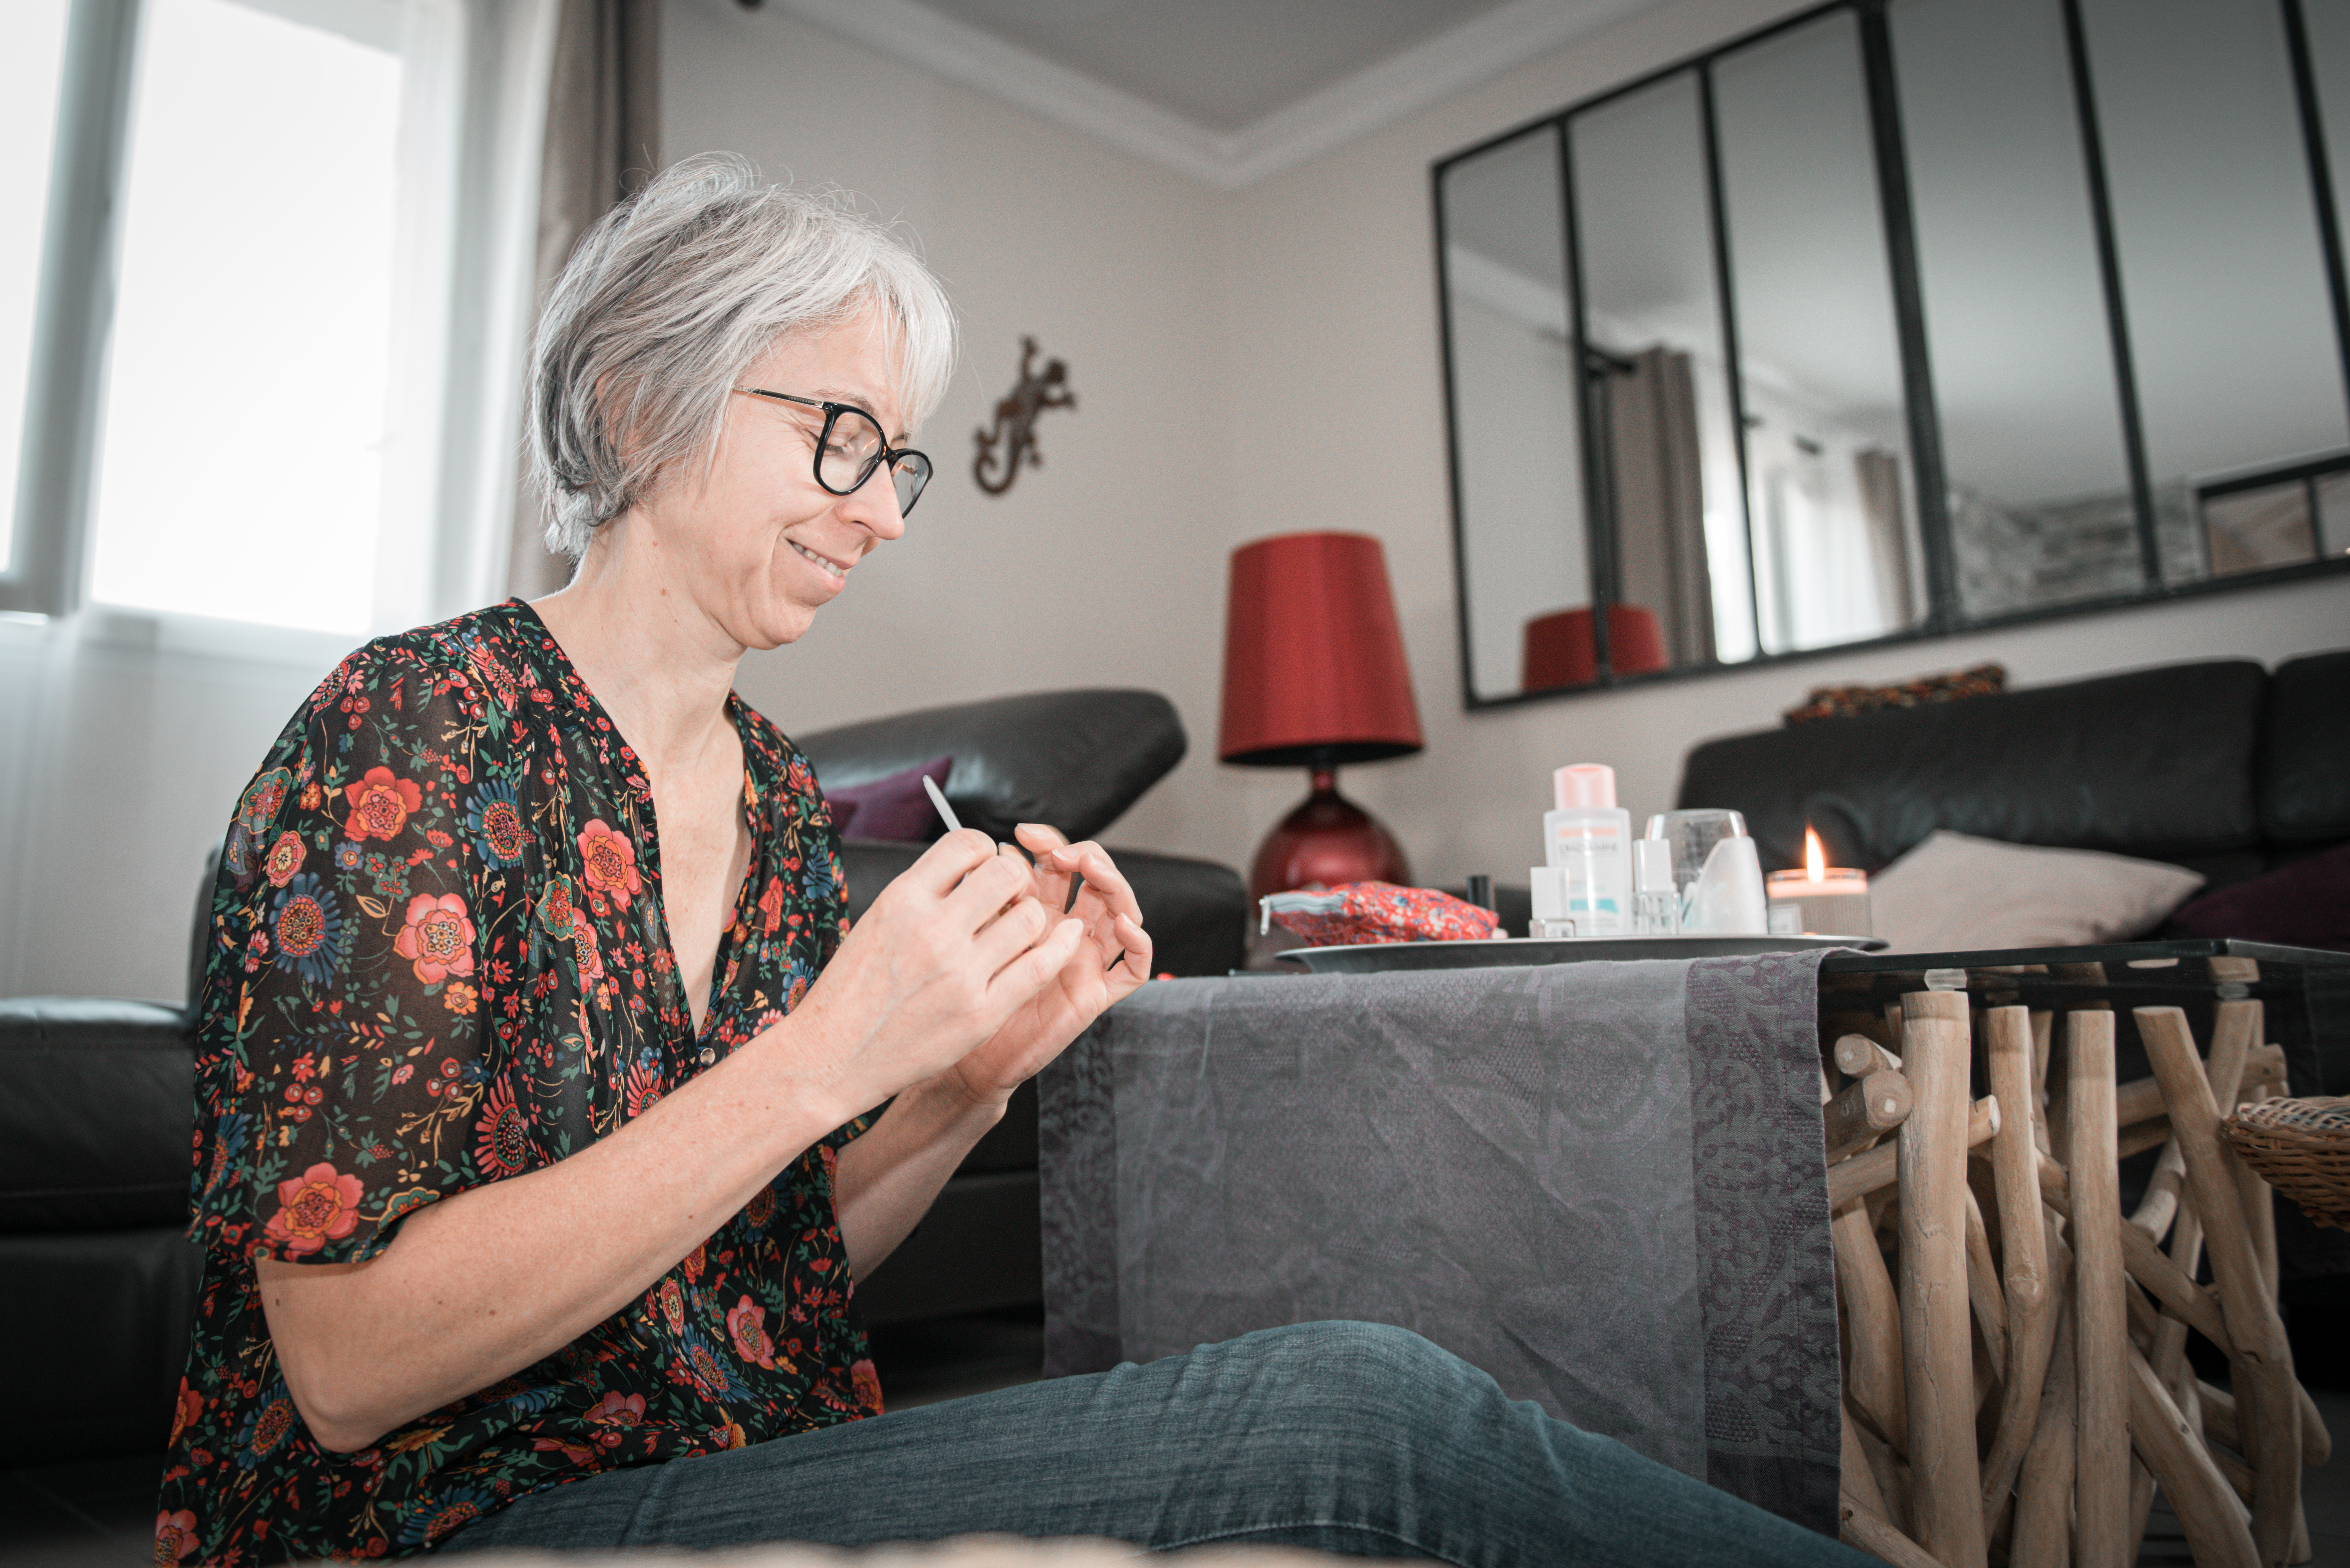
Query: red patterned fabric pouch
[1356,912]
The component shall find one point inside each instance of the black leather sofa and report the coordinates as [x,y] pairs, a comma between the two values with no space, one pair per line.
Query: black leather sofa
[97,1095]
[2223,767]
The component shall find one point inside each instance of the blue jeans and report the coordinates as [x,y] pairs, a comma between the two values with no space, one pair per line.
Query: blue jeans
[1348,1438]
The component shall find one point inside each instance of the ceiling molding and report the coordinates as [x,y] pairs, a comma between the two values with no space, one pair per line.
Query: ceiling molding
[1364,102]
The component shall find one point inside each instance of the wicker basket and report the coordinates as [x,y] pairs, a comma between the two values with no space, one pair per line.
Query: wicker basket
[2301,1148]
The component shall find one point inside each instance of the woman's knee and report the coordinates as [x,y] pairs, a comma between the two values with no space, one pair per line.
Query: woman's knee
[1367,1368]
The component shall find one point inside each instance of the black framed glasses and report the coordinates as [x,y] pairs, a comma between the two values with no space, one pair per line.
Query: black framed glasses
[851,446]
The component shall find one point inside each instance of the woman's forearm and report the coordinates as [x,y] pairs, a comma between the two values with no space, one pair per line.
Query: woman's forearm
[888,1179]
[478,1286]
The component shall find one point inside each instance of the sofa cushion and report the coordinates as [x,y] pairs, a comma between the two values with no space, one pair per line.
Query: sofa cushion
[895,806]
[2303,904]
[97,1102]
[1073,759]
[102,1321]
[1957,894]
[2305,751]
[2156,763]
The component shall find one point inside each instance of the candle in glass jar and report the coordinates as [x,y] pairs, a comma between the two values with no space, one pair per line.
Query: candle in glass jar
[1827,900]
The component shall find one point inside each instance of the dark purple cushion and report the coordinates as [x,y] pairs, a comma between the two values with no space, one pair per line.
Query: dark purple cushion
[894,807]
[2304,905]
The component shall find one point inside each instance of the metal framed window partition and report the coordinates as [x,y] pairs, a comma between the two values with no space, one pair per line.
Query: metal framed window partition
[2177,521]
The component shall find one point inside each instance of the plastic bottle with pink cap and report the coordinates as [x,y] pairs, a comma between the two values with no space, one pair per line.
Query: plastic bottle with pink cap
[1585,888]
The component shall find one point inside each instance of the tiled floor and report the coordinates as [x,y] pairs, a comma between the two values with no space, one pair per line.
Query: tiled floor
[101,1514]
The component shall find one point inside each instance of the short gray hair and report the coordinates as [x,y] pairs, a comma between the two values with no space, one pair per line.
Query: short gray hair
[674,295]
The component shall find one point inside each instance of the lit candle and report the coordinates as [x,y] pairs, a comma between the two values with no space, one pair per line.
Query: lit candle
[1827,900]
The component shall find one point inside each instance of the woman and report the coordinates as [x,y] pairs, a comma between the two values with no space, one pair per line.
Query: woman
[533,1155]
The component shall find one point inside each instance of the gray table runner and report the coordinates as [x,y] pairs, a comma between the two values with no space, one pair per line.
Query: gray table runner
[1599,1182]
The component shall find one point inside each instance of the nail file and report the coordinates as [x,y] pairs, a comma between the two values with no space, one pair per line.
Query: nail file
[947,815]
[939,799]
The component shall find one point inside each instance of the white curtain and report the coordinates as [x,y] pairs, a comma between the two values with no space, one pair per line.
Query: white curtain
[125,737]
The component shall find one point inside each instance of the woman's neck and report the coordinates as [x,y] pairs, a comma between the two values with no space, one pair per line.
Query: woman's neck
[660,668]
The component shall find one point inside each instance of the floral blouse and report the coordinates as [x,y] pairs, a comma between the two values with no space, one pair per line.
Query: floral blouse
[438,960]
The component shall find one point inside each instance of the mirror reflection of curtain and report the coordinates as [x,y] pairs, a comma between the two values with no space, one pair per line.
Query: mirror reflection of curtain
[1659,502]
[1888,532]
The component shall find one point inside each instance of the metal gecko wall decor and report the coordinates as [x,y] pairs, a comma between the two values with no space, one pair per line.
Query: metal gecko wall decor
[1013,439]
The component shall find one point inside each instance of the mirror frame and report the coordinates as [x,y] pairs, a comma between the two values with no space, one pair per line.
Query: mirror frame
[1945,617]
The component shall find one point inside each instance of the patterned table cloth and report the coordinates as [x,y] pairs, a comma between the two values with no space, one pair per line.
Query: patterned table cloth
[1600,1182]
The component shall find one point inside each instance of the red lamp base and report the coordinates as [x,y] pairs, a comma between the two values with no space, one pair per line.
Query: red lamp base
[1327,840]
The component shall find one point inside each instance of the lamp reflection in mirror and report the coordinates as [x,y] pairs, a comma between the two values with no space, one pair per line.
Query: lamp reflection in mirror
[1559,650]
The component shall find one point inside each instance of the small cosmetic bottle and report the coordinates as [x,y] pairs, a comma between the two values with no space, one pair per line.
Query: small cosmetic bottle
[1655,904]
[1550,921]
[1588,839]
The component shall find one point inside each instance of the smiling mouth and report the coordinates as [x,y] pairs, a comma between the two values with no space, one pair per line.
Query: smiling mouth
[833,566]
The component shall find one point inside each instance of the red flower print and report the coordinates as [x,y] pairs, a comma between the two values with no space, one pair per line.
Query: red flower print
[771,905]
[693,1261]
[746,1325]
[175,1538]
[642,1088]
[284,859]
[582,947]
[321,1205]
[437,937]
[619,1410]
[185,1409]
[761,1209]
[501,1144]
[869,1385]
[578,1453]
[611,862]
[310,796]
[672,1305]
[381,805]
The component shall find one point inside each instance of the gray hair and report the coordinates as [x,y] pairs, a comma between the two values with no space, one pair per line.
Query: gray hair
[672,296]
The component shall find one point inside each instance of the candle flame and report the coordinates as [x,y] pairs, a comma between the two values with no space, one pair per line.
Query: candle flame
[1816,859]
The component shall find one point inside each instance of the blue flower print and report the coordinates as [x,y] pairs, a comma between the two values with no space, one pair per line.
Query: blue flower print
[306,928]
[494,816]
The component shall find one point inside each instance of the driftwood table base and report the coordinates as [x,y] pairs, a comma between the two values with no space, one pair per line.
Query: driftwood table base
[2016,1382]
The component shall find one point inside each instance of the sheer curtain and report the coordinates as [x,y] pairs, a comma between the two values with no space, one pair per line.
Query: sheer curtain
[126,735]
[603,140]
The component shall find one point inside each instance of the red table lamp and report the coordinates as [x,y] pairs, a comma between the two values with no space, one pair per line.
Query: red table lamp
[1315,677]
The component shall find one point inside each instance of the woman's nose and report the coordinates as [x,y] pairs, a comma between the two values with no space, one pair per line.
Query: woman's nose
[873,506]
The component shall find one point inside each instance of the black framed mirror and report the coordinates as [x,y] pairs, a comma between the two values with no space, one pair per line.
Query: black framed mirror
[1896,320]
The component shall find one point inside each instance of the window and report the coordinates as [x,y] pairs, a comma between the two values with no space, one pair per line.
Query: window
[30,71]
[262,365]
[240,434]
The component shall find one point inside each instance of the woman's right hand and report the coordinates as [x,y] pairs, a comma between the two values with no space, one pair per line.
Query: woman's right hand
[942,957]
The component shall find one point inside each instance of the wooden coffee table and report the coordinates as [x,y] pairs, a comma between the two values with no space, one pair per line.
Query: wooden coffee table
[2015,1342]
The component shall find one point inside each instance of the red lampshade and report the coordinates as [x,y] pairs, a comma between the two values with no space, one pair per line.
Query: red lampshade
[1314,664]
[1558,650]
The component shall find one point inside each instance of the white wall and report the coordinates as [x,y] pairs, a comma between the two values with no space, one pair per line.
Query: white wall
[1106,566]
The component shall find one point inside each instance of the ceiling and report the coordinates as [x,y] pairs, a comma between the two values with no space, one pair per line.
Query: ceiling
[1227,91]
[1223,64]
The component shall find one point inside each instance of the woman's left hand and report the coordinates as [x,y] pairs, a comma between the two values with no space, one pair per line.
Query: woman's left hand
[1112,959]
